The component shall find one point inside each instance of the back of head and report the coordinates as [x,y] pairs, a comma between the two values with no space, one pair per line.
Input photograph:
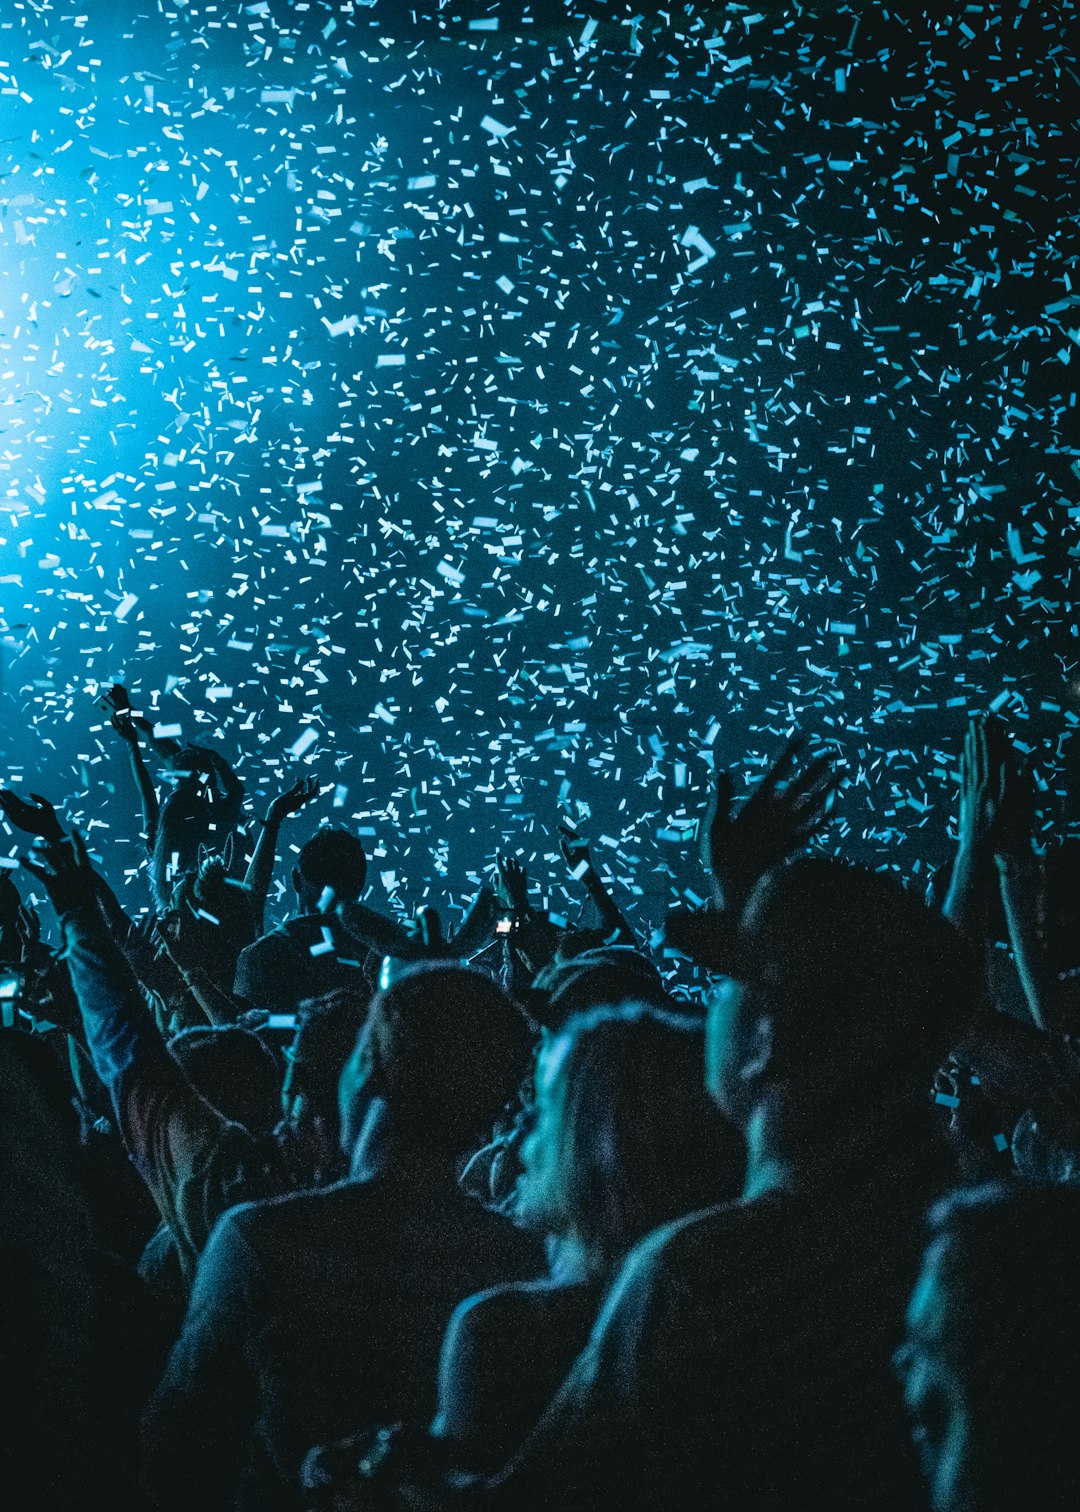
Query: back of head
[854,993]
[594,978]
[335,859]
[626,1136]
[993,1348]
[326,1032]
[861,977]
[217,910]
[235,1071]
[446,1049]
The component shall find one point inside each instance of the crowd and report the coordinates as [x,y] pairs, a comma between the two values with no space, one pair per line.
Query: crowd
[351,1213]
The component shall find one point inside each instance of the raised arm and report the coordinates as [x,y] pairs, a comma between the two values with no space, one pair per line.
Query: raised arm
[260,870]
[1020,875]
[785,811]
[579,860]
[193,1160]
[982,785]
[115,704]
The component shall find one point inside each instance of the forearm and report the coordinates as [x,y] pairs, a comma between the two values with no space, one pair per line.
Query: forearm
[117,1026]
[477,929]
[1018,881]
[379,933]
[260,871]
[147,795]
[219,1006]
[965,904]
[611,919]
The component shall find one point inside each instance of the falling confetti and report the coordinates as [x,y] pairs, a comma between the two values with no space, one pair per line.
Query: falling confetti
[523,411]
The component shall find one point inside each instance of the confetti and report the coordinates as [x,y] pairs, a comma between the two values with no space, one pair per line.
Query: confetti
[506,419]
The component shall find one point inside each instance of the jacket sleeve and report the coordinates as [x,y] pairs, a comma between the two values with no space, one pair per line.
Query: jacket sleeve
[194,1161]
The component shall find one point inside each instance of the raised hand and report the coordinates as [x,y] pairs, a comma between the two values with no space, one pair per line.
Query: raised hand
[1015,828]
[983,779]
[63,868]
[298,796]
[114,700]
[425,928]
[115,704]
[784,812]
[575,850]
[37,818]
[511,884]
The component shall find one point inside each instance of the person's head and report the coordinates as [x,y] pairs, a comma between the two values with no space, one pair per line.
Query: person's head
[210,914]
[235,1071]
[444,1049]
[626,1137]
[989,1366]
[334,859]
[326,1032]
[593,978]
[845,993]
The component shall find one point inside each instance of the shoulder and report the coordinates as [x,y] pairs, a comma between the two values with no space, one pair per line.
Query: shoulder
[281,938]
[263,1226]
[499,1305]
[682,1245]
[666,1274]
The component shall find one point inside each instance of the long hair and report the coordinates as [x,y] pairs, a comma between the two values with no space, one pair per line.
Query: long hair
[626,1138]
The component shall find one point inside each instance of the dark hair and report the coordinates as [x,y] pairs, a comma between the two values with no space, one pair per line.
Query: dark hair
[326,1032]
[210,891]
[636,1141]
[862,975]
[447,1049]
[334,858]
[235,1071]
[593,978]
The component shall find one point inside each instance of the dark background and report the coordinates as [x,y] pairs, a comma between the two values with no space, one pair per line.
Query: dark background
[721,381]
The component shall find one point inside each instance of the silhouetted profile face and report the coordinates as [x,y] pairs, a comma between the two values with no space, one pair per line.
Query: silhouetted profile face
[933,1387]
[733,1033]
[536,1206]
[993,1339]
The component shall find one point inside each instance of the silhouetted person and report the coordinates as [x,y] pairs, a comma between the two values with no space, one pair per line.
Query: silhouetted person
[743,1353]
[311,954]
[320,1311]
[991,1366]
[80,1339]
[624,1139]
